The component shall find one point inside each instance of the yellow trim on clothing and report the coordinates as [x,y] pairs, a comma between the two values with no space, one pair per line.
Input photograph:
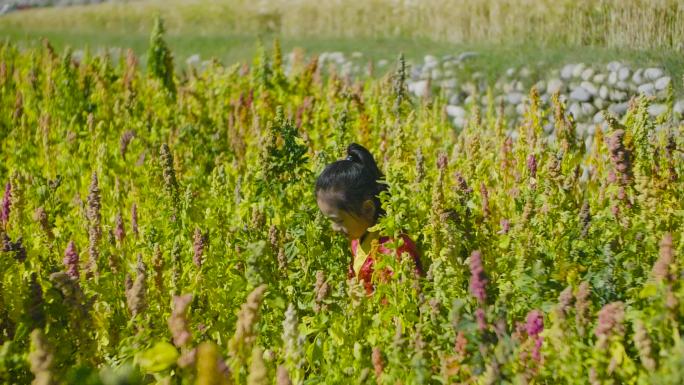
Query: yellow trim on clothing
[371,244]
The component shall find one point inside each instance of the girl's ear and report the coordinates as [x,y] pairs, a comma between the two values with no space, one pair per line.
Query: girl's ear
[368,209]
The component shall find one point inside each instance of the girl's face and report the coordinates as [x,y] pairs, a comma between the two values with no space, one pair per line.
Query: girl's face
[352,225]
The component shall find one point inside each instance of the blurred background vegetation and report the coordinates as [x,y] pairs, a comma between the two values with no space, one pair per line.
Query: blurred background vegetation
[505,32]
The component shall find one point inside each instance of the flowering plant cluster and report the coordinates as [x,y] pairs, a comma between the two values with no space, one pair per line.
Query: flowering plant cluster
[549,258]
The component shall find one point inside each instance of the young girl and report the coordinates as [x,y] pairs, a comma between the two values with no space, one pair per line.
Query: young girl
[347,193]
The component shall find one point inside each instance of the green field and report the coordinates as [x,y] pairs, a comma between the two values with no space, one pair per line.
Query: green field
[530,33]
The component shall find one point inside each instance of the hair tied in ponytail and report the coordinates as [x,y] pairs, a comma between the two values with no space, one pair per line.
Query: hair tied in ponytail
[353,184]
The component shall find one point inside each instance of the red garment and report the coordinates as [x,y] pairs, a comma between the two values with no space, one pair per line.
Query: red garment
[366,271]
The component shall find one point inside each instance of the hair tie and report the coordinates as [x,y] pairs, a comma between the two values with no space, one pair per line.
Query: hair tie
[350,158]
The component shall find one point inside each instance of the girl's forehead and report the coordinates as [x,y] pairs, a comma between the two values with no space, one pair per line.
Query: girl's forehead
[328,196]
[327,207]
[327,202]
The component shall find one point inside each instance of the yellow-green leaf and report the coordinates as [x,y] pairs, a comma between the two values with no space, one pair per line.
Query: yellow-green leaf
[158,358]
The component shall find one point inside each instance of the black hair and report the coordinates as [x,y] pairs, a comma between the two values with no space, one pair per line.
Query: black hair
[354,180]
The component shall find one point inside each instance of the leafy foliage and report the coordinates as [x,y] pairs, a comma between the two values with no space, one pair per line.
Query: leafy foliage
[549,258]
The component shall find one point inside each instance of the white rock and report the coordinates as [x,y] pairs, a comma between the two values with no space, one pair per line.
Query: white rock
[647,89]
[590,87]
[587,74]
[656,110]
[520,109]
[603,92]
[613,66]
[337,57]
[653,73]
[193,60]
[618,108]
[525,72]
[430,59]
[347,69]
[575,110]
[510,72]
[469,100]
[540,86]
[638,77]
[566,71]
[662,83]
[588,142]
[77,55]
[467,55]
[455,111]
[599,78]
[448,83]
[205,64]
[419,88]
[467,88]
[427,68]
[554,86]
[622,86]
[580,129]
[617,96]
[605,127]
[519,86]
[612,78]
[591,130]
[455,99]
[588,109]
[416,72]
[600,104]
[662,94]
[577,71]
[623,73]
[514,97]
[382,63]
[580,94]
[679,107]
[436,73]
[598,117]
[586,171]
[459,122]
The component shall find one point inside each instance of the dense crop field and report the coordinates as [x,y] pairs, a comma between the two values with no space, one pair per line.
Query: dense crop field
[160,227]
